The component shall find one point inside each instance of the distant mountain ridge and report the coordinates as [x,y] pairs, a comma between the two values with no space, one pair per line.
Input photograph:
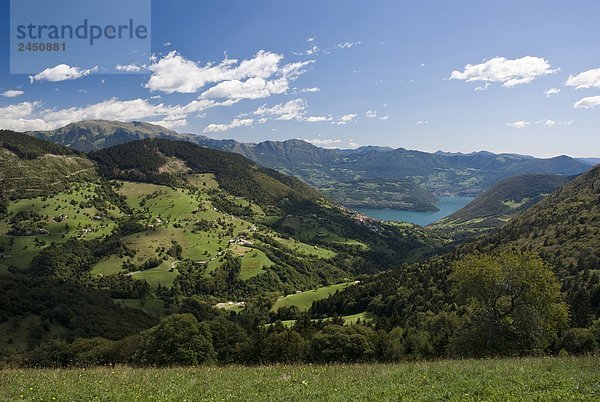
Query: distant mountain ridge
[371,169]
[590,161]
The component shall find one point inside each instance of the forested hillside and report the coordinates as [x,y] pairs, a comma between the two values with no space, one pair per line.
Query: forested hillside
[504,201]
[563,228]
[134,231]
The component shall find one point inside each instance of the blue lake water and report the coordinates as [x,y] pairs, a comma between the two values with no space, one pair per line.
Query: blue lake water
[447,206]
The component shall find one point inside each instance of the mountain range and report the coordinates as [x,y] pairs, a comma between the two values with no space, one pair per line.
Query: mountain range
[378,177]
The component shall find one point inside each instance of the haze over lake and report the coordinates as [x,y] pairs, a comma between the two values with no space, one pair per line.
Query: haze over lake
[447,206]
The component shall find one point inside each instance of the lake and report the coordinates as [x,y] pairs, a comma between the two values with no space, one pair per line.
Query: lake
[447,206]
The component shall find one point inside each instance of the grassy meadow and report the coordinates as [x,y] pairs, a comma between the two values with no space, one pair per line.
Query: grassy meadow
[304,300]
[468,380]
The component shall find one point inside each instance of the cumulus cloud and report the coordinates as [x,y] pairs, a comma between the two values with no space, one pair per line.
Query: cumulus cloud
[253,88]
[31,116]
[421,122]
[518,124]
[552,91]
[310,90]
[587,79]
[12,93]
[258,77]
[216,128]
[61,72]
[384,117]
[588,102]
[290,110]
[371,114]
[508,72]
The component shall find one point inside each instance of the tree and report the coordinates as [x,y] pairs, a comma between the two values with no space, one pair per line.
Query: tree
[178,339]
[286,346]
[514,304]
[336,343]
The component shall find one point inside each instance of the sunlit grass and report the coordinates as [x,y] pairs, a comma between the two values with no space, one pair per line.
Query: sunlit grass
[469,380]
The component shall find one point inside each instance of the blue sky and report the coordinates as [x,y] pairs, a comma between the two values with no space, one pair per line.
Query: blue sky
[463,76]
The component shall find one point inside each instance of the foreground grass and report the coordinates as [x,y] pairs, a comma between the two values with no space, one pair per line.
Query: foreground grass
[506,379]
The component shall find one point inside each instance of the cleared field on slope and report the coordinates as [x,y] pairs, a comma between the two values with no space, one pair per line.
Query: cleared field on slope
[304,300]
[467,380]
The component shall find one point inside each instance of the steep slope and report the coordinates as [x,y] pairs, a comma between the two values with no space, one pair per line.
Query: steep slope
[146,160]
[564,226]
[30,167]
[501,203]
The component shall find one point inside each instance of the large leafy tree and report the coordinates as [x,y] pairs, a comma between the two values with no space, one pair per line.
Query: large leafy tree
[515,304]
[178,339]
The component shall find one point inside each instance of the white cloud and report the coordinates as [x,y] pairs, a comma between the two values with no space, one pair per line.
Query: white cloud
[588,102]
[552,123]
[347,118]
[290,110]
[216,128]
[348,45]
[12,93]
[311,39]
[310,90]
[353,144]
[312,51]
[129,68]
[518,124]
[317,119]
[17,117]
[421,122]
[371,114]
[167,44]
[587,79]
[254,78]
[552,91]
[508,72]
[548,122]
[384,117]
[61,72]
[253,88]
[30,115]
